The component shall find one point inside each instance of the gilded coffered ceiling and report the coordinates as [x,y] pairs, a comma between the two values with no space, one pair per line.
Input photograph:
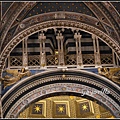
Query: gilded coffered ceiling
[65,107]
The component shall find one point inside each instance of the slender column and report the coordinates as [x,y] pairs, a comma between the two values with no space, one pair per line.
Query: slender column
[60,39]
[61,42]
[43,46]
[77,37]
[62,52]
[8,61]
[40,45]
[23,46]
[43,57]
[26,48]
[113,58]
[40,50]
[25,55]
[117,61]
[42,39]
[96,50]
[80,51]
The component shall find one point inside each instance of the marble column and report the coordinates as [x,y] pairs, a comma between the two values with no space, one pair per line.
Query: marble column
[96,51]
[60,40]
[113,55]
[42,39]
[77,37]
[25,52]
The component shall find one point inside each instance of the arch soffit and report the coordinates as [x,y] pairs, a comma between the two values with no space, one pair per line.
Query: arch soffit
[9,18]
[105,18]
[58,87]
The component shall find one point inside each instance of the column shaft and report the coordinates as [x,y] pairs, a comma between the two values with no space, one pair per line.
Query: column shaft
[96,50]
[25,52]
[42,39]
[77,37]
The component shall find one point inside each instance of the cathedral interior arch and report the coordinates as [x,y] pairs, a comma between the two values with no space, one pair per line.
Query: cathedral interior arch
[60,60]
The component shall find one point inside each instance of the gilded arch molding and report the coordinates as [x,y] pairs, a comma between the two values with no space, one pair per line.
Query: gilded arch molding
[62,81]
[56,23]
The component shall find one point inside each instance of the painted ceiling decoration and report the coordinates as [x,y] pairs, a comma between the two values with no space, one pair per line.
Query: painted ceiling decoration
[65,106]
[88,8]
[77,41]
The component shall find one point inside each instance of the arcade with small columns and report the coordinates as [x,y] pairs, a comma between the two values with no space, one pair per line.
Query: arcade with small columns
[56,49]
[62,49]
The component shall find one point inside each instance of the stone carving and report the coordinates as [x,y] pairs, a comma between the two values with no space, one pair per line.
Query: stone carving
[111,73]
[8,80]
